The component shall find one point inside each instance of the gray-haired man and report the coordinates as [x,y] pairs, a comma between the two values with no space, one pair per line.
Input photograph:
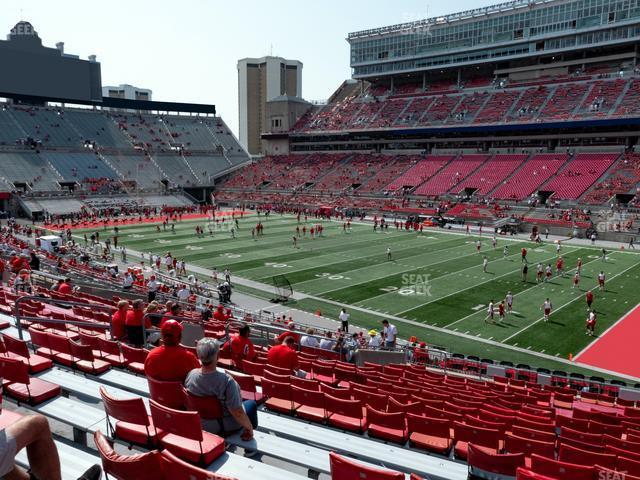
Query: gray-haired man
[207,381]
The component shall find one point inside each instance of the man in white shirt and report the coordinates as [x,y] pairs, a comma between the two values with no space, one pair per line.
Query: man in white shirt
[152,288]
[127,281]
[390,334]
[309,340]
[344,319]
[183,293]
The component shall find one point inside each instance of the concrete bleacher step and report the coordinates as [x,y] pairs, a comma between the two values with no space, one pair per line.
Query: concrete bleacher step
[314,458]
[73,461]
[391,456]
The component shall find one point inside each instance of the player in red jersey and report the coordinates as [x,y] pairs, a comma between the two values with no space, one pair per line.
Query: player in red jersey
[589,298]
[524,255]
[560,266]
[501,310]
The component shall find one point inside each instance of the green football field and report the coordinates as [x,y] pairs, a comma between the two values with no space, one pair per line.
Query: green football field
[434,287]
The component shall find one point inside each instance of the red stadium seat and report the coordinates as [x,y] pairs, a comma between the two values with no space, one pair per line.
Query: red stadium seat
[345,469]
[19,350]
[169,394]
[621,452]
[570,454]
[142,466]
[525,474]
[253,368]
[209,408]
[134,357]
[625,464]
[343,393]
[247,384]
[134,424]
[464,434]
[622,444]
[18,384]
[607,473]
[308,404]
[278,396]
[432,434]
[484,463]
[85,361]
[516,444]
[184,436]
[111,352]
[533,434]
[560,470]
[345,414]
[593,438]
[174,468]
[387,426]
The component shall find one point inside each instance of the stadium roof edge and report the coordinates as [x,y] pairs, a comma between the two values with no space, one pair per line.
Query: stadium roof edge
[120,103]
[465,15]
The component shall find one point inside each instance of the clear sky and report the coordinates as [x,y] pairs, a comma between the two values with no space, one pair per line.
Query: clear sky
[187,50]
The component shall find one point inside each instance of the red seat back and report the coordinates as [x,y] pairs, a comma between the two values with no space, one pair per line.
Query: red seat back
[437,427]
[16,346]
[209,408]
[143,466]
[131,354]
[484,437]
[482,460]
[344,469]
[176,469]
[169,420]
[558,469]
[109,347]
[14,370]
[81,352]
[246,383]
[130,410]
[343,393]
[388,420]
[516,444]
[583,457]
[168,394]
[340,406]
[309,398]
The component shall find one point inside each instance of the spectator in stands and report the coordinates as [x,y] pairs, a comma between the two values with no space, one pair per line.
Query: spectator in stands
[285,356]
[153,312]
[65,287]
[241,346]
[22,282]
[309,340]
[174,311]
[170,362]
[34,262]
[375,340]
[207,381]
[134,323]
[327,343]
[33,433]
[152,288]
[390,334]
[291,333]
[118,321]
[127,281]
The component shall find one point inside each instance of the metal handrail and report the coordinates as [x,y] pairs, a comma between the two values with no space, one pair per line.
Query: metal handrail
[79,323]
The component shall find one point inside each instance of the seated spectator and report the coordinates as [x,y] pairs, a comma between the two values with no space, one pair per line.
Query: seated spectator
[291,333]
[118,321]
[219,314]
[241,346]
[285,356]
[22,282]
[127,281]
[327,343]
[65,287]
[153,312]
[170,362]
[375,340]
[309,340]
[207,381]
[175,311]
[33,433]
[34,262]
[134,322]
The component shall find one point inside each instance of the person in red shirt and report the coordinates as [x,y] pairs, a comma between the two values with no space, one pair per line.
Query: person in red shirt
[284,355]
[118,320]
[175,311]
[291,333]
[241,346]
[219,314]
[560,267]
[65,287]
[133,323]
[589,298]
[524,255]
[170,362]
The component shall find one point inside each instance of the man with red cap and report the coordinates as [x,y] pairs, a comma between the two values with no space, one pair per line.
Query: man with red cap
[219,314]
[170,362]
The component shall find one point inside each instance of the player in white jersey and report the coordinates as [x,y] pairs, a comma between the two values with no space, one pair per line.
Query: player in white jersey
[505,251]
[546,308]
[548,272]
[478,245]
[539,272]
[576,280]
[490,312]
[601,279]
[485,264]
[494,242]
[509,300]
[558,247]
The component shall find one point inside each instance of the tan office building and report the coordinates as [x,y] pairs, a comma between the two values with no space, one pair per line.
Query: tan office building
[261,80]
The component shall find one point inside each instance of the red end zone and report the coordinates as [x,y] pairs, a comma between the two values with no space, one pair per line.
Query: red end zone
[617,349]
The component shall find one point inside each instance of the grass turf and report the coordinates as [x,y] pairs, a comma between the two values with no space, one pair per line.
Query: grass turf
[433,279]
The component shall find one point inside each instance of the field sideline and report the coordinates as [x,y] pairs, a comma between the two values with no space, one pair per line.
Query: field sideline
[434,279]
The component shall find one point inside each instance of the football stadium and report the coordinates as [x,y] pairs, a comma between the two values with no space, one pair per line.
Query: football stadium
[430,275]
